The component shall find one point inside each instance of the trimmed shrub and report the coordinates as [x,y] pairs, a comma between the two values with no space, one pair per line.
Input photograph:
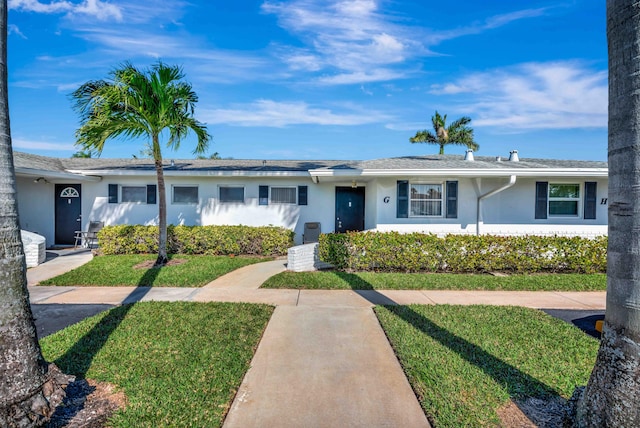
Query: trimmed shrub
[417,252]
[209,240]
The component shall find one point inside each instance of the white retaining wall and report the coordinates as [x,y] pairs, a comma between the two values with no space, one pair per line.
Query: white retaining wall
[34,248]
[305,258]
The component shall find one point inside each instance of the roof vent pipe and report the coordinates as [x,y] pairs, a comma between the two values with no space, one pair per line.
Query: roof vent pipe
[513,156]
[468,156]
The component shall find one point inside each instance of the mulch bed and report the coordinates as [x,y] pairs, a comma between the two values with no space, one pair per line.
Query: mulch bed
[88,404]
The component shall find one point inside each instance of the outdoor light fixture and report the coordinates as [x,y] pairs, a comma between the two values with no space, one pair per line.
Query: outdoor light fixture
[354,184]
[40,180]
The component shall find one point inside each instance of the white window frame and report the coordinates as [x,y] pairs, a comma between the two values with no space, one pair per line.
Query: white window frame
[121,190]
[173,194]
[295,195]
[244,193]
[577,200]
[442,199]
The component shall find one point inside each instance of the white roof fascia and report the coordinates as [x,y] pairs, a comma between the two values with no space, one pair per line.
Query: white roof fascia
[521,172]
[59,175]
[189,173]
[334,172]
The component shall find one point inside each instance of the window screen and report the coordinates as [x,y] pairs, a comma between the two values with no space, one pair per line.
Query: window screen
[425,200]
[231,194]
[283,195]
[134,194]
[564,199]
[185,194]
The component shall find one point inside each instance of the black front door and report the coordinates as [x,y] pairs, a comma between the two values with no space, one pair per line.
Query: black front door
[68,214]
[349,209]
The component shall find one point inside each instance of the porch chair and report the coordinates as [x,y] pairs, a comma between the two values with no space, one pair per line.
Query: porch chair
[311,232]
[89,238]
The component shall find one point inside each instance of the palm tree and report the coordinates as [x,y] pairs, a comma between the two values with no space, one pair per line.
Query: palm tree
[82,154]
[27,383]
[141,103]
[612,396]
[457,133]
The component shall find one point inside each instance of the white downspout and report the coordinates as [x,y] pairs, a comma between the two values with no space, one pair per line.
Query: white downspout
[512,181]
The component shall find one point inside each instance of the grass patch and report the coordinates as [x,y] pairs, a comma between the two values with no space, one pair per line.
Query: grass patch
[336,280]
[465,362]
[179,364]
[113,271]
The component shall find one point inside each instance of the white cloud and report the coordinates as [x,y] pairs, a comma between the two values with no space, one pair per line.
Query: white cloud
[36,6]
[99,9]
[366,91]
[96,8]
[41,145]
[351,38]
[13,29]
[349,35]
[553,95]
[379,75]
[271,113]
[140,46]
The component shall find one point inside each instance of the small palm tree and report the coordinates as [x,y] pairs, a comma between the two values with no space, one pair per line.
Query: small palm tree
[457,133]
[137,103]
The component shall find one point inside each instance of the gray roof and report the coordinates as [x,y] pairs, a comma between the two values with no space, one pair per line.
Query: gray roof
[97,165]
[101,164]
[479,162]
[28,161]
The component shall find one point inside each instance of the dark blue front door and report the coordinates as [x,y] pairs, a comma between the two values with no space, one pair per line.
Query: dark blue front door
[68,206]
[349,209]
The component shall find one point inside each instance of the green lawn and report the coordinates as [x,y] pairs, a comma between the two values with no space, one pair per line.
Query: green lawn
[119,270]
[179,364]
[465,363]
[335,280]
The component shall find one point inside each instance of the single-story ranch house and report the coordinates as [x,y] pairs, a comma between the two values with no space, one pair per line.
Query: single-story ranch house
[436,194]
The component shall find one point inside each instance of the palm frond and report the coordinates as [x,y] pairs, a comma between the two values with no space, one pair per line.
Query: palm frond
[424,136]
[136,103]
[457,133]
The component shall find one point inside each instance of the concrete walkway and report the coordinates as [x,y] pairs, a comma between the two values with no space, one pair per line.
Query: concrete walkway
[57,263]
[324,360]
[249,277]
[325,367]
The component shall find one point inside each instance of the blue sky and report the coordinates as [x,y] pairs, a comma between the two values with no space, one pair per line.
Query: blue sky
[311,79]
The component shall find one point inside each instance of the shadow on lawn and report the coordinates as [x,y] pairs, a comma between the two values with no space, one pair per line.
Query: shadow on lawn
[77,360]
[518,384]
[353,280]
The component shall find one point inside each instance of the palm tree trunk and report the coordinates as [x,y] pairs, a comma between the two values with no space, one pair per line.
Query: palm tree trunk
[441,148]
[612,396]
[162,205]
[28,395]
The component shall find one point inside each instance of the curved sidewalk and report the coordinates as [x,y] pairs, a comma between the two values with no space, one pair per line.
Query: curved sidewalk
[242,285]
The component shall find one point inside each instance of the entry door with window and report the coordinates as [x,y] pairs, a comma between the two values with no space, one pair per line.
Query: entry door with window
[68,204]
[349,209]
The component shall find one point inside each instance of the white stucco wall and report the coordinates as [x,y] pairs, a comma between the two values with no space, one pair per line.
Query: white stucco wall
[507,213]
[386,213]
[510,212]
[36,207]
[209,210]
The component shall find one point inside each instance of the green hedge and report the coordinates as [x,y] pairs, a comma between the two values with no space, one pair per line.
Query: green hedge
[416,252]
[210,240]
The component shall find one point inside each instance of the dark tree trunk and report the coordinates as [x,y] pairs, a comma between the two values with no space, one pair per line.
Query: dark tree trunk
[162,206]
[612,396]
[28,388]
